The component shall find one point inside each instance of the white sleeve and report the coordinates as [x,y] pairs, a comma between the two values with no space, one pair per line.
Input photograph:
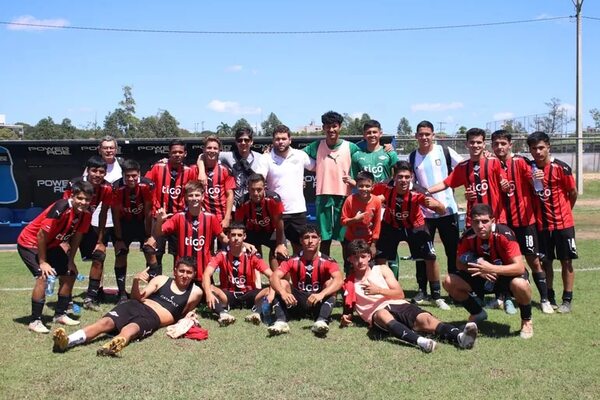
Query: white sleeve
[309,163]
[455,157]
[262,165]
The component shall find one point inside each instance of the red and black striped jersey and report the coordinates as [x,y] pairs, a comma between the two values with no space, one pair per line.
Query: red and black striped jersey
[194,236]
[552,205]
[309,275]
[102,193]
[237,274]
[130,202]
[483,177]
[60,223]
[501,245]
[169,186]
[259,217]
[401,211]
[219,181]
[518,201]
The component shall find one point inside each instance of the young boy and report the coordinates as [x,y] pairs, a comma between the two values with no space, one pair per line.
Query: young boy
[47,246]
[237,277]
[375,294]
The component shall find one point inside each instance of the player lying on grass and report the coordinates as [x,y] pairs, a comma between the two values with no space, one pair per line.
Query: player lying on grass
[376,296]
[162,302]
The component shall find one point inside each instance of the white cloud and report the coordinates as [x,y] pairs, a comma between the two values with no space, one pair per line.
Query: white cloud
[234,68]
[503,115]
[31,20]
[455,105]
[232,107]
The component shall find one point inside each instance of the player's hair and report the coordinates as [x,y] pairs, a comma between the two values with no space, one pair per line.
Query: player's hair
[502,134]
[193,186]
[425,124]
[255,178]
[186,260]
[365,176]
[244,130]
[358,246]
[176,142]
[332,117]
[236,225]
[481,210]
[95,161]
[212,138]
[82,187]
[108,138]
[130,165]
[475,132]
[281,129]
[371,124]
[538,136]
[310,228]
[402,165]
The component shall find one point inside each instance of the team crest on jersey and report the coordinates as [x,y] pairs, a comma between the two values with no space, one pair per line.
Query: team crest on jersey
[438,162]
[382,158]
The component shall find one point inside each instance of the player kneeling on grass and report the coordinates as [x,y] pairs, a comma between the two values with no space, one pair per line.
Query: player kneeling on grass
[489,259]
[48,246]
[375,294]
[315,277]
[237,274]
[162,302]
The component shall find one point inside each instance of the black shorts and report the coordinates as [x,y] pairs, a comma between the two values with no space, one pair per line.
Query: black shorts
[240,299]
[404,313]
[90,239]
[133,311]
[161,244]
[527,237]
[502,284]
[293,224]
[133,231]
[302,308]
[259,239]
[56,257]
[419,241]
[561,240]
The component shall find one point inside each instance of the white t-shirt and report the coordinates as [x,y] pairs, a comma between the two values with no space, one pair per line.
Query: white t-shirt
[285,176]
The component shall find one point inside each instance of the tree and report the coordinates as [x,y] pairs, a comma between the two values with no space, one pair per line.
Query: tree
[404,128]
[556,120]
[45,129]
[69,131]
[512,126]
[269,125]
[8,134]
[354,126]
[462,130]
[122,122]
[224,129]
[240,123]
[596,117]
[167,125]
[128,103]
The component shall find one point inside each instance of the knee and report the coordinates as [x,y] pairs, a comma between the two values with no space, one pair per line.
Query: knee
[447,283]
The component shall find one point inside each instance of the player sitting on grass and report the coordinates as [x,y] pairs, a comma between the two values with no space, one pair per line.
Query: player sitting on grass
[237,275]
[162,302]
[375,294]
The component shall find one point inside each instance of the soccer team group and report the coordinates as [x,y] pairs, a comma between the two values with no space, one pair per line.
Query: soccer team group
[216,216]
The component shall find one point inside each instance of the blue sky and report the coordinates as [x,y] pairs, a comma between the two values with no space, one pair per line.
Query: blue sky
[458,77]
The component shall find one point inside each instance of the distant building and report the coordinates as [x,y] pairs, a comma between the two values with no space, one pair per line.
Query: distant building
[16,128]
[310,128]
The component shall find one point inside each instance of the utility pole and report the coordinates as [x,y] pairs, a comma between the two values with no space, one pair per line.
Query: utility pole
[578,118]
[442,123]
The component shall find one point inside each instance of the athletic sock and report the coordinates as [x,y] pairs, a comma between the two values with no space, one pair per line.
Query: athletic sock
[219,308]
[326,308]
[472,305]
[525,311]
[278,310]
[402,332]
[447,332]
[121,275]
[37,307]
[551,296]
[539,278]
[61,305]
[77,337]
[93,288]
[567,296]
[421,275]
[436,289]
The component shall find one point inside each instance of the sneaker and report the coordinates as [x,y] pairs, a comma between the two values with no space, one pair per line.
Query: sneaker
[420,298]
[546,307]
[112,348]
[428,345]
[441,304]
[278,328]
[565,307]
[253,318]
[38,326]
[91,305]
[477,318]
[509,307]
[225,319]
[466,339]
[122,298]
[65,320]
[495,304]
[553,304]
[320,328]
[526,330]
[61,340]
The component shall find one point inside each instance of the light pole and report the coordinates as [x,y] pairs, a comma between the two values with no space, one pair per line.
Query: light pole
[578,104]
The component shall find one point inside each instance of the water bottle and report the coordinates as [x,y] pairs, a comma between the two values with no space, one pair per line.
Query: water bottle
[265,311]
[80,277]
[468,257]
[538,184]
[50,283]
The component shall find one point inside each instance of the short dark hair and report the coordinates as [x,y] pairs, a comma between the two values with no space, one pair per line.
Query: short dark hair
[130,165]
[176,142]
[481,209]
[475,132]
[186,260]
[244,130]
[538,136]
[212,138]
[236,225]
[502,134]
[82,187]
[358,246]
[193,186]
[309,228]
[332,117]
[371,124]
[281,129]
[255,178]
[425,124]
[402,165]
[364,176]
[95,161]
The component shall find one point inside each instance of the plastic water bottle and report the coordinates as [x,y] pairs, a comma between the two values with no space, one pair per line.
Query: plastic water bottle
[50,283]
[538,184]
[76,309]
[265,311]
[80,277]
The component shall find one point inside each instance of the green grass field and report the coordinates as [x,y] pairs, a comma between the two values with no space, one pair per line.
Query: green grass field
[561,361]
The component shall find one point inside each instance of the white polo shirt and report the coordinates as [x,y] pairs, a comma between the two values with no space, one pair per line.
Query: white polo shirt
[285,177]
